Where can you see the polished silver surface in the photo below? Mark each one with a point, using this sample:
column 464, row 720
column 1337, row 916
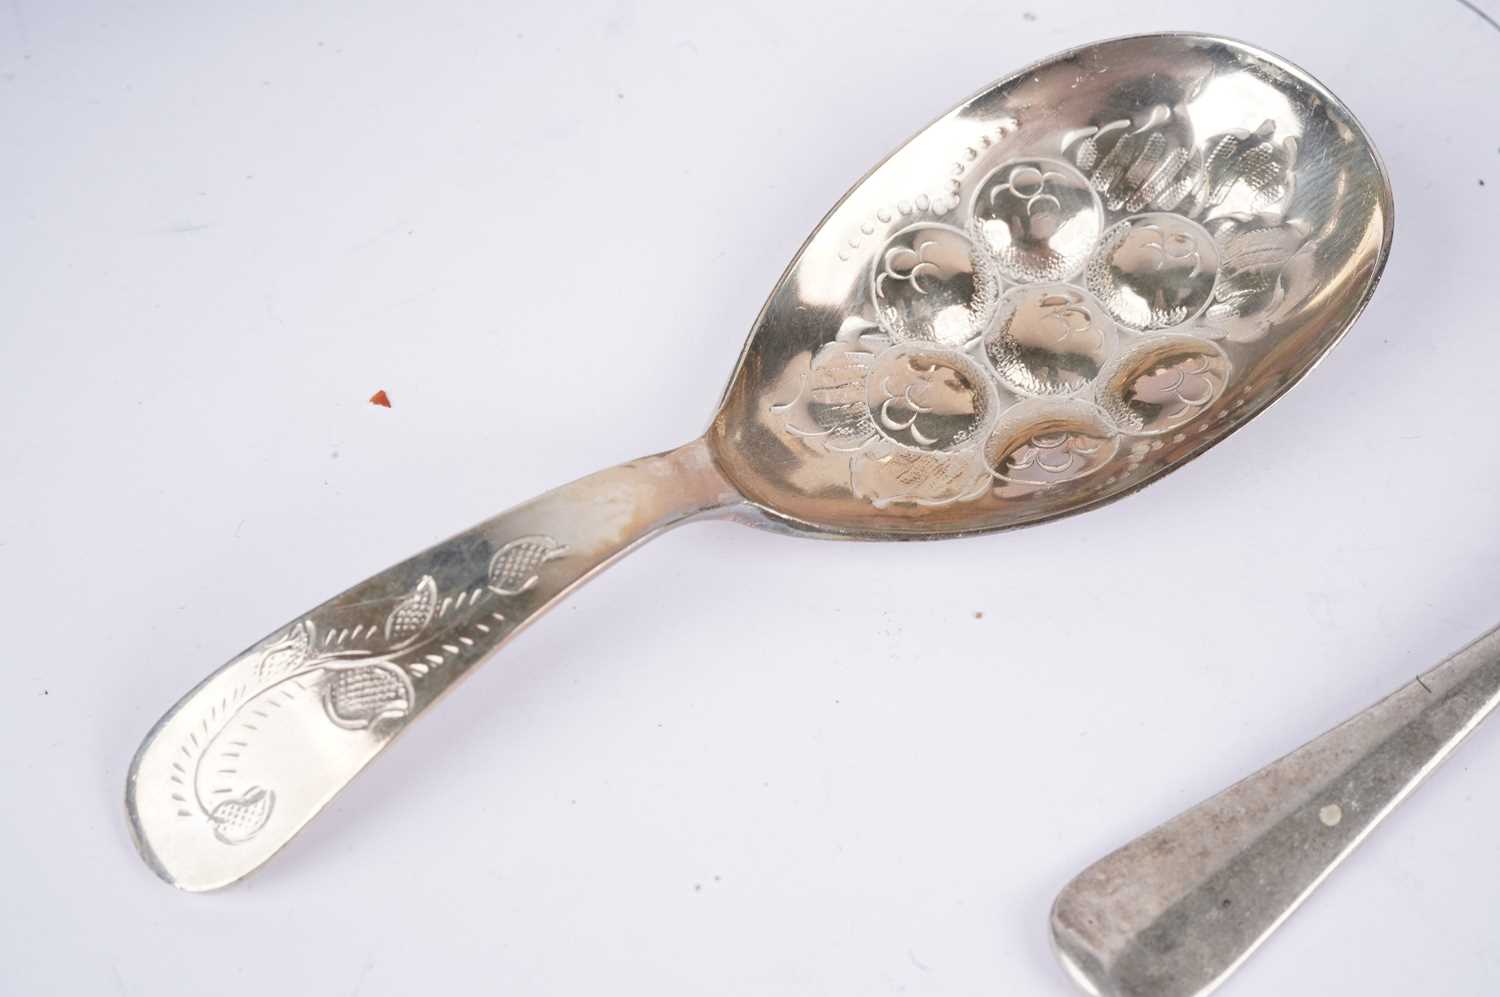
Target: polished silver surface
column 1174, row 912
column 1077, row 280
column 1072, row 283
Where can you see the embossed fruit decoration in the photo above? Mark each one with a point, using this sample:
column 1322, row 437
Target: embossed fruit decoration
column 1038, row 218
column 927, row 399
column 1049, row 339
column 930, row 284
column 1163, row 383
column 1265, row 263
column 1072, row 330
column 1154, row 271
column 1246, row 172
column 1046, row 442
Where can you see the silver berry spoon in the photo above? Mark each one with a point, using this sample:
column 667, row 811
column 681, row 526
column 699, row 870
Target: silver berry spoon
column 1075, row 281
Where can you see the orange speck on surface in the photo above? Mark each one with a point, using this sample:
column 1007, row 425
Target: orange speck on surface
column 381, row 398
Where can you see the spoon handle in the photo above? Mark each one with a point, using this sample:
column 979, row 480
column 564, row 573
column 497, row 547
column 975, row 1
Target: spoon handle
column 243, row 761
column 1174, row 912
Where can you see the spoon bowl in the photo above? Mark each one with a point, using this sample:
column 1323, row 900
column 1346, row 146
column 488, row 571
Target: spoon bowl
column 1079, row 279
column 1074, row 282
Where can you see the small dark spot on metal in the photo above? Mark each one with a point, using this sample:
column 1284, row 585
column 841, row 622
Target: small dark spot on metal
column 1226, row 902
column 978, row 614
column 1027, row 15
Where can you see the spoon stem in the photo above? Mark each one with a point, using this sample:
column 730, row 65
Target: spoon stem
column 1174, row 912
column 247, row 758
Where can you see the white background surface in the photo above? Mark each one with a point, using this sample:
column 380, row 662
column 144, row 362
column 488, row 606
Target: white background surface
column 737, row 764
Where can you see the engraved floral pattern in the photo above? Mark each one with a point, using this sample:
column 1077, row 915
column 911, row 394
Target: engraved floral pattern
column 1070, row 313
column 364, row 676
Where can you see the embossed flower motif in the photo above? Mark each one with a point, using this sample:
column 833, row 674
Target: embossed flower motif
column 1038, row 218
column 930, row 284
column 1161, row 383
column 1154, row 271
column 909, row 415
column 1040, row 443
column 1049, row 339
column 1066, row 324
